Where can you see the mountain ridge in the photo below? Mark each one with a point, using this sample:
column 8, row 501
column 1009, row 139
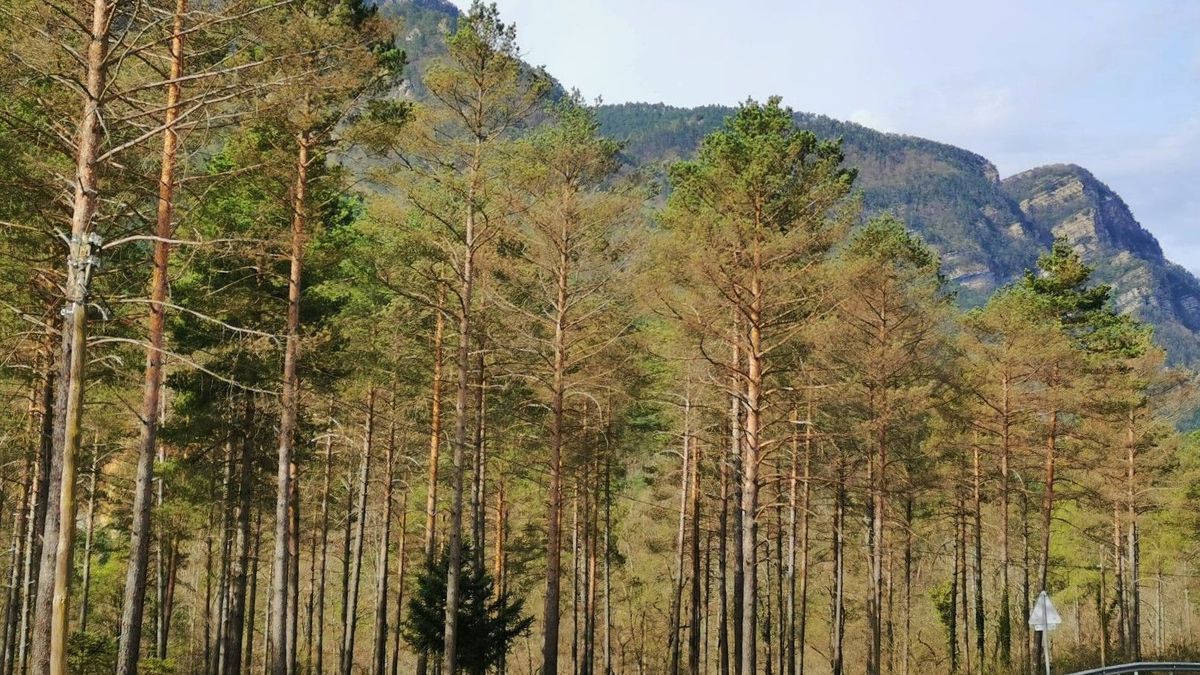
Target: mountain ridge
column 988, row 230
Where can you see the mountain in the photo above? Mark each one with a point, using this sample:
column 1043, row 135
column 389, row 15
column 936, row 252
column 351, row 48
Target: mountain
column 1068, row 201
column 988, row 231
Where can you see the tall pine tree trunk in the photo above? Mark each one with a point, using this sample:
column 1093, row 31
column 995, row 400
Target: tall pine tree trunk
column 289, row 403
column 694, row 627
column 54, row 584
column 1004, row 621
column 554, row 500
column 977, row 569
column 677, row 591
column 128, row 648
column 750, row 465
column 435, row 444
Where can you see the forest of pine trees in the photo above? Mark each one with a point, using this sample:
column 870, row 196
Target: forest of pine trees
column 300, row 374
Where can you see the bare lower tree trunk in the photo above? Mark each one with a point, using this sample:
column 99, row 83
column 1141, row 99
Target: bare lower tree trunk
column 694, row 627
column 722, row 571
column 379, row 647
column 90, row 524
column 685, row 476
column 289, row 402
column 554, row 499
column 977, row 570
column 608, row 670
column 293, row 619
column 805, row 516
column 324, row 564
column 129, row 645
column 1133, row 548
column 479, row 483
column 222, row 645
column 1004, row 621
column 964, row 588
column 1047, row 513
column 435, row 444
column 737, row 446
column 908, row 579
column 237, row 605
column 837, row 630
column 252, row 604
column 750, row 466
column 400, row 576
column 351, row 613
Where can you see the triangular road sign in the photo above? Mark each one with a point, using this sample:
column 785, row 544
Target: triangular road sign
column 1044, row 616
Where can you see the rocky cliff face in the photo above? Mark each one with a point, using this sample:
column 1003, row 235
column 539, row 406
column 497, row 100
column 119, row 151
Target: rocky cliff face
column 1068, row 201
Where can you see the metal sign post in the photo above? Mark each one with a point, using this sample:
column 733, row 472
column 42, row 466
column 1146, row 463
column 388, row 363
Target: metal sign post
column 1044, row 618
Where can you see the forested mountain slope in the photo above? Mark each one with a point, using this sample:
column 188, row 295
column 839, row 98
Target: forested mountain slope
column 988, row 231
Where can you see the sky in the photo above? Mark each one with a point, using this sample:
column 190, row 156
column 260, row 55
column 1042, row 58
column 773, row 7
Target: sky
column 1111, row 86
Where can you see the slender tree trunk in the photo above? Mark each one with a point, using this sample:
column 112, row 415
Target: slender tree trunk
column 554, row 500
column 608, row 670
column 677, row 595
column 51, row 617
column 1133, row 549
column 1004, row 621
column 952, row 625
column 877, row 468
column 837, row 630
column 805, row 511
column 400, row 577
column 750, row 461
column 324, row 564
column 737, row 446
column 237, row 607
column 964, row 587
column 479, row 484
column 168, row 604
column 289, row 402
column 977, row 570
column 253, row 602
column 1047, row 513
column 129, row 645
column 1119, row 583
column 379, row 648
column 208, row 549
column 501, row 570
column 1102, row 612
column 222, row 645
column 575, row 584
column 293, row 620
column 788, row 609
column 86, row 582
column 435, row 444
column 465, row 317
column 722, row 570
column 694, row 633
column 351, row 611
column 1026, row 584
column 906, row 652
